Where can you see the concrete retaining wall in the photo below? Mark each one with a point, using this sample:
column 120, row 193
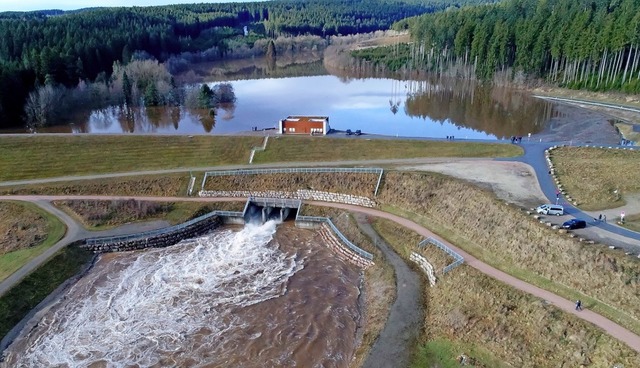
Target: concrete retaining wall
column 160, row 240
column 229, row 220
column 302, row 194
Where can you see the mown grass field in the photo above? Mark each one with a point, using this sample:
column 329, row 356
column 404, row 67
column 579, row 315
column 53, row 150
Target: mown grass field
column 495, row 325
column 295, row 149
column 593, row 175
column 34, row 156
column 20, row 247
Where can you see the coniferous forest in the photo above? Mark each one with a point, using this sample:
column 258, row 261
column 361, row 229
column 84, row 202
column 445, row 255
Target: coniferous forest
column 581, row 44
column 63, row 48
column 572, row 43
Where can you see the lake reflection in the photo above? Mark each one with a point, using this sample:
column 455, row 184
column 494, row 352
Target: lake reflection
column 145, row 120
column 373, row 105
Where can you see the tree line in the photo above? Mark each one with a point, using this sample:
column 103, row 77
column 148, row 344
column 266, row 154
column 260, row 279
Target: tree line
column 582, row 44
column 61, row 48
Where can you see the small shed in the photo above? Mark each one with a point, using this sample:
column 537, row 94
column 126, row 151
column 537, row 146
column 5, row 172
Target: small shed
column 304, row 125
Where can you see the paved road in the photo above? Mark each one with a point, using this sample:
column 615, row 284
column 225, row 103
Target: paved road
column 534, row 157
column 565, row 305
column 393, row 348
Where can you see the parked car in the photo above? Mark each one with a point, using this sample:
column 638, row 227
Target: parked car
column 358, row 132
column 349, row 132
column 550, row 209
column 574, row 224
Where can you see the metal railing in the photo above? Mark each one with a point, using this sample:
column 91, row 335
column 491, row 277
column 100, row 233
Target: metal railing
column 275, row 202
column 164, row 230
column 458, row 259
column 375, row 192
column 299, row 170
column 192, row 182
column 347, row 242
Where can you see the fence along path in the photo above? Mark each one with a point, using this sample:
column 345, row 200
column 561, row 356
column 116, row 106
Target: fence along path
column 298, row 170
column 457, row 258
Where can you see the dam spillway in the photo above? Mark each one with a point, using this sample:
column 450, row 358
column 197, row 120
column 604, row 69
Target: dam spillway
column 221, row 299
column 261, row 210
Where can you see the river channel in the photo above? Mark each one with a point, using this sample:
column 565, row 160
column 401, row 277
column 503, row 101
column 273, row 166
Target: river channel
column 245, row 298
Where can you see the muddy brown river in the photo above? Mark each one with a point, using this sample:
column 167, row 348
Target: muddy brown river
column 249, row 297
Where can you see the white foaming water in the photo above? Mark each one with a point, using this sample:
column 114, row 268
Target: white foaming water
column 154, row 307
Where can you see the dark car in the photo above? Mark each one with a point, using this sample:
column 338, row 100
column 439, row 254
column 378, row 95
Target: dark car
column 349, row 132
column 358, row 132
column 574, row 224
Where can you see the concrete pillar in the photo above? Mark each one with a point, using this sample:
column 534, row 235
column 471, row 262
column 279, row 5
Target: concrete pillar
column 284, row 213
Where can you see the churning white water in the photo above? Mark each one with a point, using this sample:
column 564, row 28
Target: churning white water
column 162, row 306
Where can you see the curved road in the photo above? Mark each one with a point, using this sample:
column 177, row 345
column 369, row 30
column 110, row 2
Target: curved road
column 71, row 235
column 534, row 156
column 610, row 327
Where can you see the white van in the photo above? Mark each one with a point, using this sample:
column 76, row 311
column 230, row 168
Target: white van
column 550, row 209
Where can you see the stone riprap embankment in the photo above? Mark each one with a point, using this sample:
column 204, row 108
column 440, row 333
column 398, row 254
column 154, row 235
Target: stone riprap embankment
column 302, row 194
column 342, row 251
column 425, row 266
column 166, row 239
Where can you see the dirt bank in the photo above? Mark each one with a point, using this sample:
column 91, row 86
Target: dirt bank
column 575, row 125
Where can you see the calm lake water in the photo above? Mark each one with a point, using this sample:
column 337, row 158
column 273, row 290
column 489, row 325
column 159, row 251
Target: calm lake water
column 428, row 108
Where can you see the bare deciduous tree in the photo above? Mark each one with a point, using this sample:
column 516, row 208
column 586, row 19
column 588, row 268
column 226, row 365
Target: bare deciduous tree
column 44, row 106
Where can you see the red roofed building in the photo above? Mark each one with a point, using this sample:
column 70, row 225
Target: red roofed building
column 304, row 125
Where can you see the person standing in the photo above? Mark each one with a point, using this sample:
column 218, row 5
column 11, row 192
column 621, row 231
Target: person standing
column 578, row 305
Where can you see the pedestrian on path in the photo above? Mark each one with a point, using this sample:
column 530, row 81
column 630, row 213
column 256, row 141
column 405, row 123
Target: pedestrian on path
column 600, row 217
column 578, row 305
column 604, row 218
